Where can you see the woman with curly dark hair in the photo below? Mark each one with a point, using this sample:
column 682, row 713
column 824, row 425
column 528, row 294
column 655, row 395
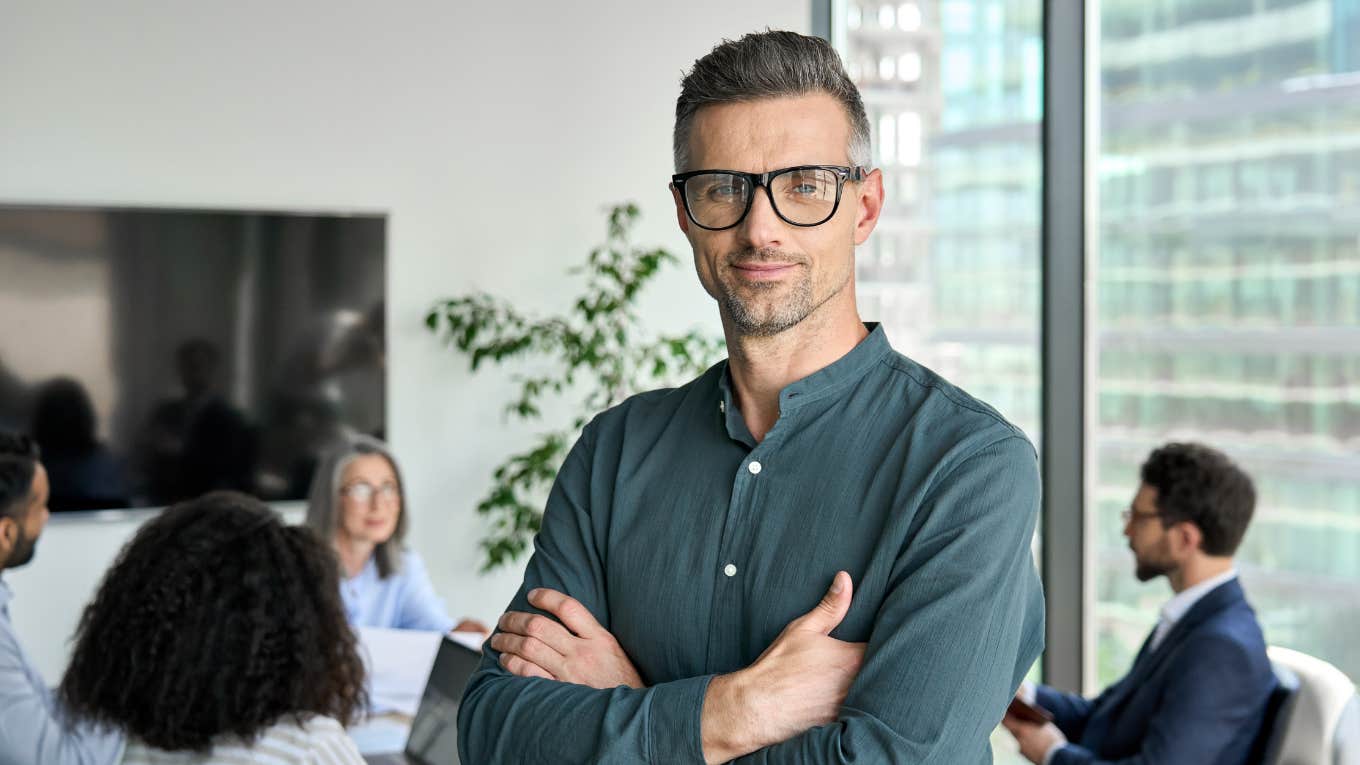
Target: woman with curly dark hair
column 218, row 636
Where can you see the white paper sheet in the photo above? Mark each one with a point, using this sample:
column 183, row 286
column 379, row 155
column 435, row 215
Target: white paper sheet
column 398, row 664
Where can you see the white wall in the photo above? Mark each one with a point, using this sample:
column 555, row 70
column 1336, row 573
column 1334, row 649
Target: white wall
column 494, row 134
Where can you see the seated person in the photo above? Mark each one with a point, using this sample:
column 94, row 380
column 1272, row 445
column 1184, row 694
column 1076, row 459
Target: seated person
column 217, row 637
column 356, row 504
column 1197, row 692
column 32, row 726
column 82, row 473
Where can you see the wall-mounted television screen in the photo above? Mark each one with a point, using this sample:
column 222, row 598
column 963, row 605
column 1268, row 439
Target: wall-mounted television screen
column 156, row 354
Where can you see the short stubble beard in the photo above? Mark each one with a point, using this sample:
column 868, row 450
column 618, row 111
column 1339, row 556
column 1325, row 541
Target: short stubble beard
column 796, row 306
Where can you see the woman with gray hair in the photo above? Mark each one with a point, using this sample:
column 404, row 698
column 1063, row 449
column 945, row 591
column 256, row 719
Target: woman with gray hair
column 356, row 503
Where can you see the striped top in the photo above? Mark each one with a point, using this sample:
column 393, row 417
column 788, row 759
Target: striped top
column 321, row 741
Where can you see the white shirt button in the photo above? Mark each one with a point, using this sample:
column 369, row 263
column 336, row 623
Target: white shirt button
column 754, row 467
column 730, row 570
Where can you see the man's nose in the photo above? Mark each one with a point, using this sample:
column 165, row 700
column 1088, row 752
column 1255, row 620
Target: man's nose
column 762, row 226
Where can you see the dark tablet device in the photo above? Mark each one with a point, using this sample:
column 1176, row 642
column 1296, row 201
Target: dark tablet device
column 1031, row 713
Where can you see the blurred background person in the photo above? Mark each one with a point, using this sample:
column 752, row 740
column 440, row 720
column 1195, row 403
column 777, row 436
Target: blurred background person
column 197, row 442
column 218, row 637
column 84, row 473
column 33, row 729
column 1197, row 691
column 356, row 503
column 328, row 387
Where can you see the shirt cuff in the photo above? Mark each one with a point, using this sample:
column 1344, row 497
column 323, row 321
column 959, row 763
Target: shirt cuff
column 1052, row 751
column 1028, row 693
column 674, row 721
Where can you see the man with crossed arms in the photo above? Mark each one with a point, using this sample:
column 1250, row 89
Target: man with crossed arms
column 819, row 550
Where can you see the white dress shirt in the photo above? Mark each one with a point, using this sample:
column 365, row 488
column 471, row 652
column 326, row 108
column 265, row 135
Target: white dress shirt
column 1181, row 604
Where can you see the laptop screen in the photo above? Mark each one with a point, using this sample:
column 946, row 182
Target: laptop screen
column 434, row 733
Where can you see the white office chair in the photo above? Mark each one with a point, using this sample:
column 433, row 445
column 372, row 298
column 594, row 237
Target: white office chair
column 1319, row 724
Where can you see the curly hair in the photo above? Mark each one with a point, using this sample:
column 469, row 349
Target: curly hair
column 1201, row 485
column 216, row 619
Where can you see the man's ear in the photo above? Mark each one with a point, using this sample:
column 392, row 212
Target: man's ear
column 9, row 534
column 680, row 215
column 1188, row 537
column 870, row 205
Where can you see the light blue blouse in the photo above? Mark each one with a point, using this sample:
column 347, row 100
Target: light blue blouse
column 405, row 600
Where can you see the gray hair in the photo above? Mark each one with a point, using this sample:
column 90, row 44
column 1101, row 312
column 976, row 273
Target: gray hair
column 769, row 64
column 323, row 501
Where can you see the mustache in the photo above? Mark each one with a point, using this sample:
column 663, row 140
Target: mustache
column 765, row 255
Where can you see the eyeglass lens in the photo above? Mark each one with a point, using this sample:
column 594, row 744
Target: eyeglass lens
column 805, row 196
column 364, row 492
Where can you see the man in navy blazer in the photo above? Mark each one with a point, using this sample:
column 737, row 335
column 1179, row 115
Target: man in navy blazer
column 1197, row 691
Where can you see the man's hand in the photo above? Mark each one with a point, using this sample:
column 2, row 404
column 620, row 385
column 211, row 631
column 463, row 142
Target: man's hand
column 580, row 652
column 1035, row 740
column 798, row 683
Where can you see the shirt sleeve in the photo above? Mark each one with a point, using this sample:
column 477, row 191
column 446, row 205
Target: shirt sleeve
column 31, row 729
column 504, row 718
column 421, row 608
column 1070, row 711
column 961, row 624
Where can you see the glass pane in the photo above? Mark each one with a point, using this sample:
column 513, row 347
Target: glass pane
column 953, row 94
column 1228, row 309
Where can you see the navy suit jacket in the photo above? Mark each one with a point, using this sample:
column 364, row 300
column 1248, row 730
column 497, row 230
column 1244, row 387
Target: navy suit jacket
column 1198, row 699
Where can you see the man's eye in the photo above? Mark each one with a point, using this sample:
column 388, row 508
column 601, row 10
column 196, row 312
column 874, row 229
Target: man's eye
column 806, row 189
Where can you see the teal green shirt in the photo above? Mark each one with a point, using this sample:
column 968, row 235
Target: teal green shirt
column 694, row 545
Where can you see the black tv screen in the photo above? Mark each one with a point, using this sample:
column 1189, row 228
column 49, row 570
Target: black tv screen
column 156, row 354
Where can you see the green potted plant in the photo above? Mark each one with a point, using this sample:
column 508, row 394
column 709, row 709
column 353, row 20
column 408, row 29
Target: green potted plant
column 597, row 350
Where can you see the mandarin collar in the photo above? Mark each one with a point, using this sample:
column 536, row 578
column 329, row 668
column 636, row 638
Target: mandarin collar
column 846, row 370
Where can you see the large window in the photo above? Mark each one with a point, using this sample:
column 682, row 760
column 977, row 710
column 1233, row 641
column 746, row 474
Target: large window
column 952, row 92
column 1225, row 265
column 1228, row 307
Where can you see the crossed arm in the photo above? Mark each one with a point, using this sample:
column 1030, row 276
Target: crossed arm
column 960, row 622
column 798, row 683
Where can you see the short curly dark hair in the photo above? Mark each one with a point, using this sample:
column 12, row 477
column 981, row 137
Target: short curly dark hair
column 1202, row 485
column 18, row 463
column 215, row 619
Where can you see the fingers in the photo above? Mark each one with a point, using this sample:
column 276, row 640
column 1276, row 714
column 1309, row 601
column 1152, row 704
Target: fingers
column 516, row 665
column 567, row 609
column 828, row 613
column 549, row 632
column 527, row 648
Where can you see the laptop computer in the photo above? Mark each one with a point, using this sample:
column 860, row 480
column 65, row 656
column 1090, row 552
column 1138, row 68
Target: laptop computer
column 434, row 731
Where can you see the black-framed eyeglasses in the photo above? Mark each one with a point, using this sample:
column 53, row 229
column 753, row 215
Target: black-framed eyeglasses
column 806, row 195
